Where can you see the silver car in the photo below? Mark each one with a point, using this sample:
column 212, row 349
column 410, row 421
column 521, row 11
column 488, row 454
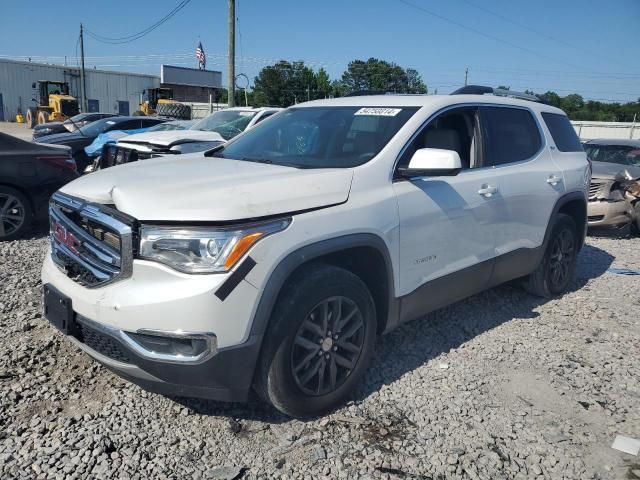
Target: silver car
column 614, row 201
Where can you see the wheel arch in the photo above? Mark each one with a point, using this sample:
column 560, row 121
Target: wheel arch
column 364, row 254
column 573, row 204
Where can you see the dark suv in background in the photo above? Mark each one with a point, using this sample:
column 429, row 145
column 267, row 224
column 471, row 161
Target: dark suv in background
column 69, row 125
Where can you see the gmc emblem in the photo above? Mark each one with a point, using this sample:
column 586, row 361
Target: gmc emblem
column 64, row 237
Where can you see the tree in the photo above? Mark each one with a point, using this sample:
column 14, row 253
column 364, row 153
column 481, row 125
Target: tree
column 323, row 83
column 380, row 75
column 283, row 84
column 551, row 98
column 572, row 103
column 287, row 83
column 414, row 82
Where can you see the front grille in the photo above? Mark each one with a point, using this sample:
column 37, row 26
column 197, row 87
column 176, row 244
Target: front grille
column 101, row 343
column 90, row 243
column 595, row 188
column 113, row 155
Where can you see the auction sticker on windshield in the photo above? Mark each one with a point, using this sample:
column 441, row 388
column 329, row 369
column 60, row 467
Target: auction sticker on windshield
column 380, row 112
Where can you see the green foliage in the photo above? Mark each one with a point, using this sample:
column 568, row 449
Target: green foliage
column 579, row 109
column 286, row 83
column 382, row 76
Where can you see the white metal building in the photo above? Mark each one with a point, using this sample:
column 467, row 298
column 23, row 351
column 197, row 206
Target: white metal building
column 107, row 91
column 588, row 130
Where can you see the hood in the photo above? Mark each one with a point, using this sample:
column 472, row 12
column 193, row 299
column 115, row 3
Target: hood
column 608, row 171
column 167, row 138
column 196, row 188
column 42, row 126
column 61, row 137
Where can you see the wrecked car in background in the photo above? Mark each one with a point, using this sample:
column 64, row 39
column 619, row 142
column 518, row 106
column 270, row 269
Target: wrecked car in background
column 209, row 132
column 614, row 194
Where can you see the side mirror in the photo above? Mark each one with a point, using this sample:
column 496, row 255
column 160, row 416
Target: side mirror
column 33, row 85
column 432, row 162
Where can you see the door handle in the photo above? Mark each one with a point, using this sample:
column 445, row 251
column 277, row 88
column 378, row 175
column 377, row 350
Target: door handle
column 554, row 180
column 487, row 190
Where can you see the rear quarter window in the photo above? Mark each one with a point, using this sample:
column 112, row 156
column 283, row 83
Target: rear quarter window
column 511, row 135
column 562, row 132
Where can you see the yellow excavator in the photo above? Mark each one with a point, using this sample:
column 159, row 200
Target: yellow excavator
column 54, row 104
column 159, row 101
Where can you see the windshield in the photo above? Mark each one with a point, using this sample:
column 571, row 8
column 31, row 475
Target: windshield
column 94, row 129
column 228, row 123
column 76, row 118
column 161, row 127
column 320, row 137
column 619, row 154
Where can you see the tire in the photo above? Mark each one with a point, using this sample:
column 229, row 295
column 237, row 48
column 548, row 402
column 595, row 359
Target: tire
column 325, row 373
column 31, row 117
column 635, row 224
column 16, row 215
column 174, row 110
column 555, row 272
column 43, row 117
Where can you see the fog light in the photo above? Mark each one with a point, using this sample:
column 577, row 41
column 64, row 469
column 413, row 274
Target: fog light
column 172, row 346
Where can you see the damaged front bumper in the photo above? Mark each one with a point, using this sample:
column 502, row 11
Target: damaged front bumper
column 609, row 213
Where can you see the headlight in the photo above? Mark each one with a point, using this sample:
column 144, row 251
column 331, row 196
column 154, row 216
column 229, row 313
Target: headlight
column 203, row 249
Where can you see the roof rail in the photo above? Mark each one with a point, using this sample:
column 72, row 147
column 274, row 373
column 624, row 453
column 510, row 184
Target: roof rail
column 359, row 93
column 501, row 92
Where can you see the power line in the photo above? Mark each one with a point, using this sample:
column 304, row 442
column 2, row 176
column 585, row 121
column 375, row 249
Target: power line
column 482, row 34
column 140, row 34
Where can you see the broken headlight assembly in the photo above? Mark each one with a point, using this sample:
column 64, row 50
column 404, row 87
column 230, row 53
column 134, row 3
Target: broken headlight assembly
column 203, row 249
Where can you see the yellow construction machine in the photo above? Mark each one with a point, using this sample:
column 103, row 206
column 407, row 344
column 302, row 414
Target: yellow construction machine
column 54, row 104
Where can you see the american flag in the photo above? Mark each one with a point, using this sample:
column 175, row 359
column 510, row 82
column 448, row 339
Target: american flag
column 202, row 59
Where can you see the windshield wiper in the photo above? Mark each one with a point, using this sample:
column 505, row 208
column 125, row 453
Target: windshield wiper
column 257, row 160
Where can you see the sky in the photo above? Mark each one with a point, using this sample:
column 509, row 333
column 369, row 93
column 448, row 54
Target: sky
column 585, row 46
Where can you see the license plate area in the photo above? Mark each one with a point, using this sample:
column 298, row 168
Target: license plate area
column 58, row 310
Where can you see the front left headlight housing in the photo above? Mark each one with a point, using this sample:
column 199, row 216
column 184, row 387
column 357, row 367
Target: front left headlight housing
column 203, row 249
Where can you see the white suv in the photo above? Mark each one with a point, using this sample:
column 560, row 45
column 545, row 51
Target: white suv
column 274, row 261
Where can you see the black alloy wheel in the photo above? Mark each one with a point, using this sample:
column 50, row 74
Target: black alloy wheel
column 13, row 215
column 561, row 260
column 327, row 346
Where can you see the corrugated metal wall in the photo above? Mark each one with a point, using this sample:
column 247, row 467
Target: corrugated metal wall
column 108, row 88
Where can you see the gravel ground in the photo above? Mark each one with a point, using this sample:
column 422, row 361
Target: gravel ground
column 19, row 130
column 500, row 386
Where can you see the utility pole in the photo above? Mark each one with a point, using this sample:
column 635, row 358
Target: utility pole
column 466, row 75
column 83, row 86
column 232, row 53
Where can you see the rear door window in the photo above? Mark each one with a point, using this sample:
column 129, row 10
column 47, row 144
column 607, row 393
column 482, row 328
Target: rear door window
column 510, row 135
column 562, row 132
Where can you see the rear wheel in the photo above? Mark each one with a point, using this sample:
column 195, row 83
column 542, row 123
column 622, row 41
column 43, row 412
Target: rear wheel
column 43, row 117
column 15, row 213
column 31, row 117
column 319, row 344
column 555, row 272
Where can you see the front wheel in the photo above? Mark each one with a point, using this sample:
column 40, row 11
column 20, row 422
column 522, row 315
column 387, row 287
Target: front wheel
column 319, row 343
column 555, row 272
